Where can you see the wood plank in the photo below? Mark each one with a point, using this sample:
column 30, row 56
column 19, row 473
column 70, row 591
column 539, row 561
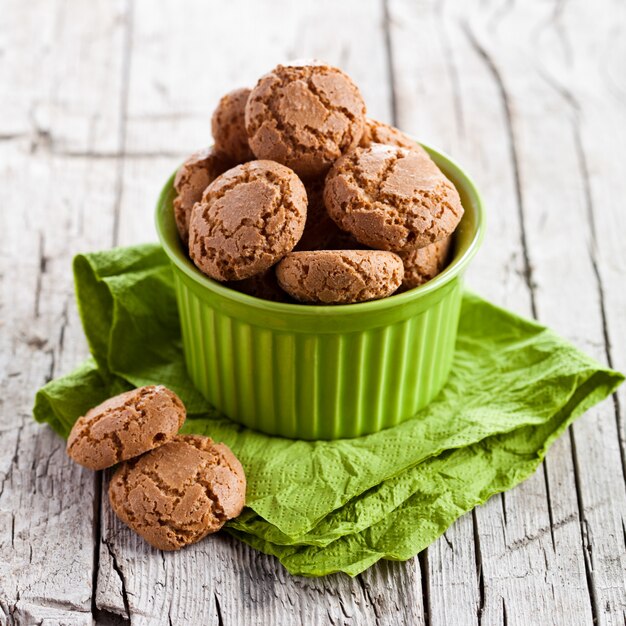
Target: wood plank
column 560, row 248
column 544, row 511
column 528, row 561
column 60, row 108
column 221, row 580
column 177, row 76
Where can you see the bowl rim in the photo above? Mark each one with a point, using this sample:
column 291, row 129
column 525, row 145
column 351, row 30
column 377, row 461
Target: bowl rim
column 177, row 256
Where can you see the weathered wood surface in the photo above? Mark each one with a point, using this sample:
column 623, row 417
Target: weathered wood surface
column 100, row 100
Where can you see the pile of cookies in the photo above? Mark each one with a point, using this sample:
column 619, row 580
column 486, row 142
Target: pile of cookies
column 304, row 197
column 171, row 489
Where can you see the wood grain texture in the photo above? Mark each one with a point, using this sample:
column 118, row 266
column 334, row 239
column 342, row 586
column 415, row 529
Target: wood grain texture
column 54, row 198
column 529, row 96
column 532, row 553
column 502, row 560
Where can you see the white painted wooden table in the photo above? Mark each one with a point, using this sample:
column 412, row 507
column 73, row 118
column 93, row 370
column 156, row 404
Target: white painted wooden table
column 100, row 100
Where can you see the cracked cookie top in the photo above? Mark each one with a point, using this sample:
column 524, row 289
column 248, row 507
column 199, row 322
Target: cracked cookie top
column 391, row 198
column 192, row 178
column 248, row 219
column 340, row 276
column 125, row 426
column 229, row 128
column 304, row 116
column 180, row 492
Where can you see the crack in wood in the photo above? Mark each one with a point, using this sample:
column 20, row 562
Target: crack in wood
column 120, row 573
column 41, row 139
column 64, row 323
column 218, row 608
column 559, row 89
column 520, row 543
column 123, row 116
column 491, row 65
column 450, row 546
column 16, row 455
column 589, row 205
column 479, row 569
column 331, row 618
column 424, row 574
column 97, row 539
column 393, row 101
column 53, row 362
column 53, row 148
column 42, row 269
column 10, row 610
column 125, row 155
column 102, row 617
column 584, row 528
column 52, row 603
column 11, row 136
column 20, row 612
column 546, row 483
column 368, row 596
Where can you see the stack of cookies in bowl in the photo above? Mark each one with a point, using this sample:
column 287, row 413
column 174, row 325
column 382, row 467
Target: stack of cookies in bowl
column 304, row 198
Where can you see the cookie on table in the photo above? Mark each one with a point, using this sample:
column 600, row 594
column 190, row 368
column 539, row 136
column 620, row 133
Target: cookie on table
column 340, row 276
column 304, row 115
column 423, row 264
column 247, row 220
column 192, row 178
column 391, row 198
column 125, row 426
column 179, row 493
column 379, row 132
column 229, row 128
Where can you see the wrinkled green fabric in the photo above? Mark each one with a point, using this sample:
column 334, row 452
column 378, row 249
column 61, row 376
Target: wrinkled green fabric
column 322, row 507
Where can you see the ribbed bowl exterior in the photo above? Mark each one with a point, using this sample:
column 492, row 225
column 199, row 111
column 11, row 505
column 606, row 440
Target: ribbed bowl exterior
column 324, row 385
column 322, row 372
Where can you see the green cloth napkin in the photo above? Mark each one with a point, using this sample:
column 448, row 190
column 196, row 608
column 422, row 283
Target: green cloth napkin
column 323, row 507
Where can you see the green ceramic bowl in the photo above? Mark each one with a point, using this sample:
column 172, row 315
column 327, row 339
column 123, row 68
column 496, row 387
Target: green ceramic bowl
column 322, row 372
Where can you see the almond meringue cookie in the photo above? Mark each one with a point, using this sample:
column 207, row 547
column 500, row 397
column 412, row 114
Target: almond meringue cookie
column 179, row 493
column 304, row 115
column 249, row 218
